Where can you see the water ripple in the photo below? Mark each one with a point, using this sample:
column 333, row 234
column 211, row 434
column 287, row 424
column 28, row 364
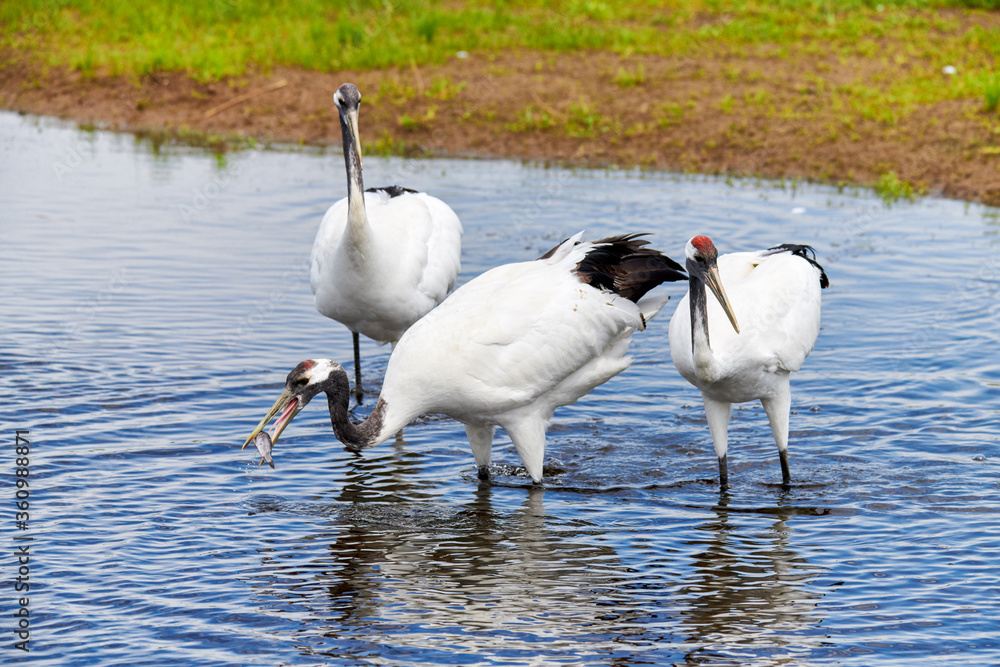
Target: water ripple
column 143, row 342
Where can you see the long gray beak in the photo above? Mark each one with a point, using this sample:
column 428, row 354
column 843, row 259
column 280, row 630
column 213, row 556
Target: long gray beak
column 352, row 118
column 288, row 405
column 715, row 284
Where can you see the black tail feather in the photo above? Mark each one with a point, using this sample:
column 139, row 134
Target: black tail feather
column 622, row 264
column 806, row 252
column 393, row 190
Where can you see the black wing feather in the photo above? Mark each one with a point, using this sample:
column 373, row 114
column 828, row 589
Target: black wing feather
column 622, row 264
column 806, row 252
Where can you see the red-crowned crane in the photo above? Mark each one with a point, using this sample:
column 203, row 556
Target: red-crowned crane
column 773, row 309
column 382, row 257
column 506, row 348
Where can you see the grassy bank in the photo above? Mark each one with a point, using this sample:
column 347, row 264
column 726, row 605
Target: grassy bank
column 221, row 38
column 892, row 91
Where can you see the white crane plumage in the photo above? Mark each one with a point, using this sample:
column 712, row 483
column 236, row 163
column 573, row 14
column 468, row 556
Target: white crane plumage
column 774, row 313
column 506, row 348
column 384, row 257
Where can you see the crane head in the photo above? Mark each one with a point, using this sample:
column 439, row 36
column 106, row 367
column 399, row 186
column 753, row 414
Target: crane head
column 303, row 382
column 703, row 265
column 348, row 102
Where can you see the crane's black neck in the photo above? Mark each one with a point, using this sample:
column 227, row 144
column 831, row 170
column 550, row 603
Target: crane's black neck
column 354, row 436
column 698, row 300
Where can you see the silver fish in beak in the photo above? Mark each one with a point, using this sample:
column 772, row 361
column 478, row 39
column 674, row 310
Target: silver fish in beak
column 263, row 444
column 288, row 406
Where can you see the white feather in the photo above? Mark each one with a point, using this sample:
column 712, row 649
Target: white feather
column 408, row 264
column 776, row 300
column 511, row 346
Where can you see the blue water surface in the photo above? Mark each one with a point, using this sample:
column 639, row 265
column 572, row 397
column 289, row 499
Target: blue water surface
column 153, row 299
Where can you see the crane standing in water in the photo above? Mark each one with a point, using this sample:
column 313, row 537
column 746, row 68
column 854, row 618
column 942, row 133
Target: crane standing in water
column 507, row 348
column 774, row 313
column 382, row 257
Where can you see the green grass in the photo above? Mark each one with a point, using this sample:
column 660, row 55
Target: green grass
column 531, row 119
column 409, row 123
column 904, row 42
column 443, row 89
column 991, row 91
column 626, row 78
column 226, row 37
column 584, row 121
column 385, row 146
column 891, row 189
column 672, row 113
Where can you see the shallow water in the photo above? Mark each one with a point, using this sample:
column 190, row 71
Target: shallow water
column 153, row 301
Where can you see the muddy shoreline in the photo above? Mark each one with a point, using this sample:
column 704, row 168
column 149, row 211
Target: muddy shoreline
column 686, row 116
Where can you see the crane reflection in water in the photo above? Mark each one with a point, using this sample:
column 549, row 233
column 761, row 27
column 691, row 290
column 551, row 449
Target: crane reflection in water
column 393, row 568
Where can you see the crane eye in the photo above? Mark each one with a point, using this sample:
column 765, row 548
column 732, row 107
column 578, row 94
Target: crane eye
column 301, row 382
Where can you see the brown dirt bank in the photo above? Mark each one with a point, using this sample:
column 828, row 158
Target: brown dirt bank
column 753, row 116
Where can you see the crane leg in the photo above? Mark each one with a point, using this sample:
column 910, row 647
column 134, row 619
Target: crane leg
column 528, row 435
column 481, row 439
column 786, row 477
column 777, row 408
column 717, row 413
column 358, row 391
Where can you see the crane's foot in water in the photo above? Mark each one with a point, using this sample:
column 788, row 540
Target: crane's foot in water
column 786, row 477
column 723, row 473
